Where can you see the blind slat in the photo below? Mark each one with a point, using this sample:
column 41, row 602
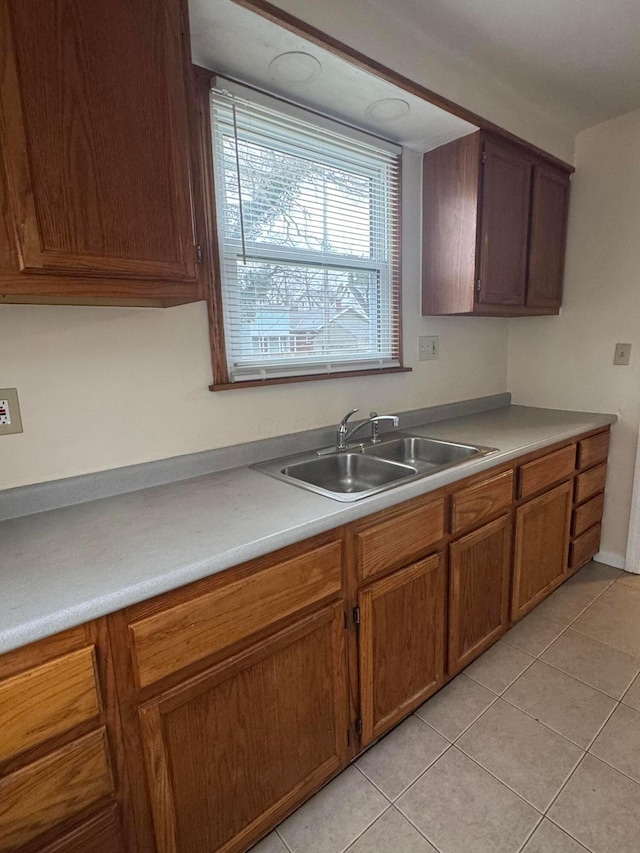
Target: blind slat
column 308, row 224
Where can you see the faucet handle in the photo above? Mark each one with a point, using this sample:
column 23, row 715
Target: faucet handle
column 343, row 422
column 373, row 414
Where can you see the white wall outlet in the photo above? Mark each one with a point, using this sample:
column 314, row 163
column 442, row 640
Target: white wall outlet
column 427, row 347
column 10, row 420
column 622, row 354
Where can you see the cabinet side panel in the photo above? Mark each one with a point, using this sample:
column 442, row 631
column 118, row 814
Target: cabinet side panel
column 449, row 216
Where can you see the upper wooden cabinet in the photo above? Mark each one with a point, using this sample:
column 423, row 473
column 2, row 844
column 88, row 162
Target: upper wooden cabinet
column 494, row 229
column 98, row 167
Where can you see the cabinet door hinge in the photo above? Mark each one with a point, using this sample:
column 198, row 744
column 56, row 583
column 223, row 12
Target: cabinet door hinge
column 478, row 285
column 359, row 726
column 356, row 615
column 484, row 156
column 198, row 254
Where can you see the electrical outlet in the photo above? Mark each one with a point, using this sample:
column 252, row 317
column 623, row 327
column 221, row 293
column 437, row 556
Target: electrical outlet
column 10, row 420
column 622, row 354
column 427, row 347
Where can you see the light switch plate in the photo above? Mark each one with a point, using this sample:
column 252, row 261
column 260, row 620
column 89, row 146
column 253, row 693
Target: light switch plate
column 428, row 348
column 622, row 354
column 10, row 420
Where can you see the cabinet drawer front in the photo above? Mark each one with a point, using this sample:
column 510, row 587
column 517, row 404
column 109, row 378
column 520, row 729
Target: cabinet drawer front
column 42, row 702
column 475, row 504
column 396, row 542
column 41, row 795
column 590, row 483
column 584, row 547
column 172, row 639
column 587, row 515
column 544, row 472
column 592, row 450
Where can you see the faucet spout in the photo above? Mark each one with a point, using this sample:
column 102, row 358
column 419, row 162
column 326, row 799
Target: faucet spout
column 374, row 420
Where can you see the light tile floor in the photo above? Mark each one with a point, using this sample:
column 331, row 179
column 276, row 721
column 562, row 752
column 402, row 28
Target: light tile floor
column 534, row 748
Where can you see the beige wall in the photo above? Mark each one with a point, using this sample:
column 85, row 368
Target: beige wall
column 105, row 387
column 566, row 361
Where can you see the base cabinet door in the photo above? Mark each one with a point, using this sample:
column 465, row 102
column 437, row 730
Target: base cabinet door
column 479, row 575
column 541, row 547
column 402, row 641
column 231, row 751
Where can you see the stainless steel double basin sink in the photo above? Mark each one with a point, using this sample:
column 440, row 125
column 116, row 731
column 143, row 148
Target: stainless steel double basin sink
column 366, row 469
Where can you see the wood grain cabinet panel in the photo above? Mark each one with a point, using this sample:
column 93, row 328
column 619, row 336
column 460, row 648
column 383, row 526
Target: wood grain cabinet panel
column 174, row 638
column 39, row 796
column 100, row 834
column 395, row 541
column 549, row 213
column 479, row 579
column 230, row 752
column 505, row 198
column 590, row 482
column 494, row 223
column 587, row 515
column 402, row 642
column 49, row 699
column 544, row 472
column 482, row 501
column 584, row 547
column 593, row 450
column 541, row 547
column 95, row 108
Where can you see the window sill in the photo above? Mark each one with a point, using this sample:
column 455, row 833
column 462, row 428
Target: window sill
column 285, row 380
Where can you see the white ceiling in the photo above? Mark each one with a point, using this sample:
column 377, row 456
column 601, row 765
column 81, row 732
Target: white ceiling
column 579, row 60
column 232, row 40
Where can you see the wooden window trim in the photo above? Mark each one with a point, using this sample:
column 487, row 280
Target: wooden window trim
column 221, row 380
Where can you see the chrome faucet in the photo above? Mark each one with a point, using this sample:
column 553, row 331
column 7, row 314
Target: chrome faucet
column 343, row 434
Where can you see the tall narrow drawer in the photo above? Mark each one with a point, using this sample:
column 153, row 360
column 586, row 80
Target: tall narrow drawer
column 587, row 515
column 168, row 641
column 482, row 501
column 41, row 795
column 592, row 450
column 590, row 483
column 544, row 472
column 399, row 540
column 42, row 702
column 584, row 547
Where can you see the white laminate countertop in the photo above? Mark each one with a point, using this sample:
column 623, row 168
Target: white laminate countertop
column 66, row 566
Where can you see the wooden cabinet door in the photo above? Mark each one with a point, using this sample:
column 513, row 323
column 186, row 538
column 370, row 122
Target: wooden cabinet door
column 479, row 575
column 504, row 226
column 94, row 102
column 541, row 547
column 231, row 751
column 549, row 211
column 402, row 639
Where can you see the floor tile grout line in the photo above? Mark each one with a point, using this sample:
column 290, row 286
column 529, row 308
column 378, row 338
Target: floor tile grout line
column 531, row 834
column 417, row 828
column 362, row 773
column 281, row 839
column 466, row 729
column 612, row 767
column 366, row 829
column 586, row 683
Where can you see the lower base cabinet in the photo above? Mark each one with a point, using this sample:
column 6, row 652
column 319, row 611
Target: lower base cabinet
column 541, row 547
column 229, row 752
column 479, row 578
column 402, row 640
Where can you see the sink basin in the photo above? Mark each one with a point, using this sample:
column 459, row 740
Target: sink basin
column 347, row 473
column 366, row 469
column 412, row 450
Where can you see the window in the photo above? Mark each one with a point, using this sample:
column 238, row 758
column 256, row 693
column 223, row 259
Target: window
column 308, row 231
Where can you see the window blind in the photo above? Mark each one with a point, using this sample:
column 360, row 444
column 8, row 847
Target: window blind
column 308, row 228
